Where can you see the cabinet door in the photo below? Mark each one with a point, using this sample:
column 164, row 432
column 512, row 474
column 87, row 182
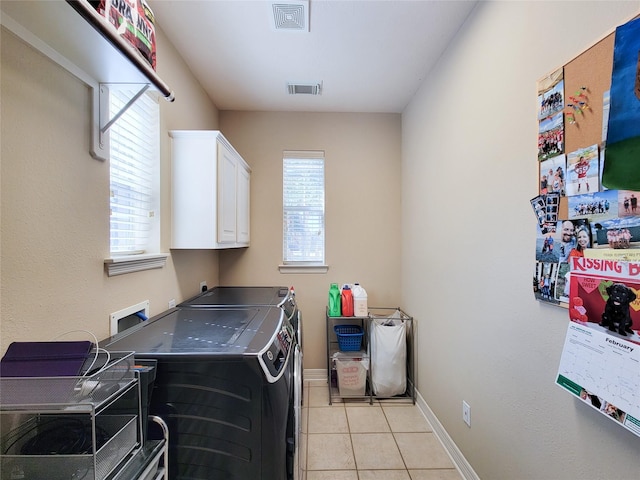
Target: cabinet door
column 243, row 217
column 193, row 190
column 227, row 194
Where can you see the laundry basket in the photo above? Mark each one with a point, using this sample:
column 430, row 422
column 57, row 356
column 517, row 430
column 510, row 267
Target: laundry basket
column 352, row 370
column 349, row 337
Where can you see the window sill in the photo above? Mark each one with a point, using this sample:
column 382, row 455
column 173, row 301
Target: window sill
column 134, row 263
column 303, row 268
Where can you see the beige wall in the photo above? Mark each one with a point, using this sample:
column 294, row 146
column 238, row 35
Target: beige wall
column 468, row 172
column 55, row 233
column 362, row 208
column 55, row 202
column 460, row 261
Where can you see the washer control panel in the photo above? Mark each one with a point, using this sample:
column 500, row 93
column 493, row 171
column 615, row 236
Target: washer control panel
column 275, row 357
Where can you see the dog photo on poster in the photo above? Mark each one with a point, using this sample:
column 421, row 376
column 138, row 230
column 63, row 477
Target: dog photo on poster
column 605, row 295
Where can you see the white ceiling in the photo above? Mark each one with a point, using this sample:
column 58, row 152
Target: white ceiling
column 370, row 55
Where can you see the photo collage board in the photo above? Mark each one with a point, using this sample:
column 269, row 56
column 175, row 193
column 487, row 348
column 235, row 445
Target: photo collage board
column 587, row 200
column 588, row 221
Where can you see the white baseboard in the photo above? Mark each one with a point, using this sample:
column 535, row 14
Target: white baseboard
column 315, row 374
column 462, row 465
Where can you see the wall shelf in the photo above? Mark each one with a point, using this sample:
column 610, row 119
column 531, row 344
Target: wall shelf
column 74, row 35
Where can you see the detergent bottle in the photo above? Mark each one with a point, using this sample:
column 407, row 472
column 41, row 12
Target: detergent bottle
column 334, row 300
column 360, row 307
column 347, row 301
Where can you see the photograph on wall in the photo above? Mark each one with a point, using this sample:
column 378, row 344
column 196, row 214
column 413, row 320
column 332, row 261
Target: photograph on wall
column 623, row 131
column 595, row 206
column 539, row 206
column 551, row 136
column 552, row 175
column 546, row 240
column 618, row 232
column 583, row 238
column 544, row 282
column 574, row 236
column 546, row 209
column 551, row 101
column 582, row 171
column 552, row 208
column 628, row 203
column 558, row 242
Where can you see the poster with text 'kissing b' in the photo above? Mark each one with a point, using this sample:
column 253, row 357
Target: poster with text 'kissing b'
column 605, row 295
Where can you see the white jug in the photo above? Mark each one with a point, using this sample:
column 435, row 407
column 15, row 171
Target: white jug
column 360, row 308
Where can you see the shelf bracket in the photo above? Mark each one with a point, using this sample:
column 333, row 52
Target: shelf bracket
column 124, row 109
column 101, row 121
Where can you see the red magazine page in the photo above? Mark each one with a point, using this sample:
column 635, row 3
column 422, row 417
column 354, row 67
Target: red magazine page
column 605, row 295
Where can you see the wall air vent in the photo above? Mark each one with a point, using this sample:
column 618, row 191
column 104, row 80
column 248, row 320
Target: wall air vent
column 304, row 88
column 291, row 15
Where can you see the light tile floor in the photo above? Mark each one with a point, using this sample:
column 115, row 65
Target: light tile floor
column 358, row 441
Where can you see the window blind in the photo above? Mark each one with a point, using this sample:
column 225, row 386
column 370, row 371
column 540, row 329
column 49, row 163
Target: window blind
column 303, row 205
column 134, row 140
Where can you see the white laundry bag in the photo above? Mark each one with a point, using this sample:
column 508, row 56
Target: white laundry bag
column 388, row 346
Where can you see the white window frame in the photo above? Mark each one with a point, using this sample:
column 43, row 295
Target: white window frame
column 142, row 118
column 290, row 264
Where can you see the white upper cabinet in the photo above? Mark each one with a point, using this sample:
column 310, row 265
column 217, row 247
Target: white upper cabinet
column 210, row 192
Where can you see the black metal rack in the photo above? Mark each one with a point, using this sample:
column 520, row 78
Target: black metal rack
column 375, row 314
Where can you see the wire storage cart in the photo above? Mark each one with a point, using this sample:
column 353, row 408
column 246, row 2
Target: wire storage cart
column 70, row 427
column 357, row 368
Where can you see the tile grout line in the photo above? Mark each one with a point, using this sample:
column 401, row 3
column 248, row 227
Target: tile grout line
column 404, row 462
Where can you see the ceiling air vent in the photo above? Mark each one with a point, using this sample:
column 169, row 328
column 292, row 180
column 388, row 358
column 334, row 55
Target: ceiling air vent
column 291, row 15
column 305, row 88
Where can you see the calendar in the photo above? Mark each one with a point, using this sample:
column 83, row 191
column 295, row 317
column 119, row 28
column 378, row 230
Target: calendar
column 604, row 372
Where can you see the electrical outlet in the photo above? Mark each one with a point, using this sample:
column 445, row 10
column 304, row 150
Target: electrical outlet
column 172, row 303
column 203, row 286
column 466, row 413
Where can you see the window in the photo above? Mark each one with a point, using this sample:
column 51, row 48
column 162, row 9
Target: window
column 134, row 178
column 303, row 209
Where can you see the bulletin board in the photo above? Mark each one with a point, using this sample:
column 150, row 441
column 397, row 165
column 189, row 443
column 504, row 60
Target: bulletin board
column 573, row 115
column 592, row 70
column 588, row 220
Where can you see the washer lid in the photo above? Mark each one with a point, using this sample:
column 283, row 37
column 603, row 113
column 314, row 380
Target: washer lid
column 239, row 296
column 202, row 331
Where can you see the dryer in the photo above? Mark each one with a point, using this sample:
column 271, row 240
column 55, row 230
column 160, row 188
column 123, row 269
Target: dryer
column 223, row 387
column 284, row 298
